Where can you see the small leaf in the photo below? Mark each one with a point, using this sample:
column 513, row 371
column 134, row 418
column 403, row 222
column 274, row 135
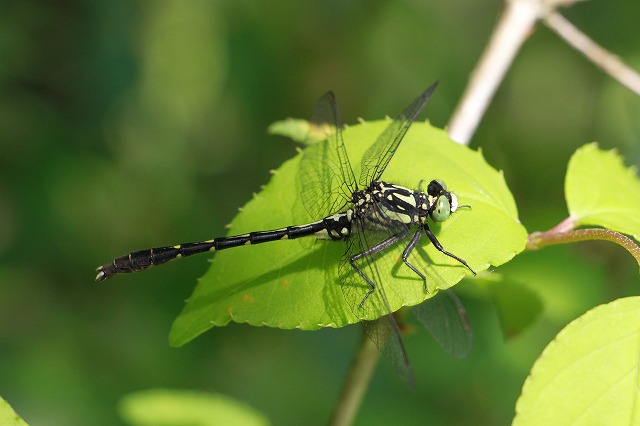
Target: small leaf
column 601, row 191
column 301, row 131
column 160, row 407
column 293, row 284
column 8, row 417
column 295, row 129
column 516, row 304
column 589, row 373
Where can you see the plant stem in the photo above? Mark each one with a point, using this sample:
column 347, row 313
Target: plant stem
column 608, row 62
column 356, row 384
column 515, row 25
column 538, row 240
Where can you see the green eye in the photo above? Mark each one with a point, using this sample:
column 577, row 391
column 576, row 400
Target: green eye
column 442, row 210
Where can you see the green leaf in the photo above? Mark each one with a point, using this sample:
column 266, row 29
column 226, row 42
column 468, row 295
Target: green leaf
column 589, row 374
column 301, row 131
column 601, row 191
column 293, row 284
column 516, row 304
column 8, row 417
column 295, row 129
column 159, row 407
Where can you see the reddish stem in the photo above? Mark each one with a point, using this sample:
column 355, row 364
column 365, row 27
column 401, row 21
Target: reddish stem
column 562, row 233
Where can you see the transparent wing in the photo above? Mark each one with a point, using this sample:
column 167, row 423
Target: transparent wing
column 443, row 315
column 446, row 319
column 379, row 267
column 326, row 178
column 327, row 183
column 378, row 156
column 385, row 333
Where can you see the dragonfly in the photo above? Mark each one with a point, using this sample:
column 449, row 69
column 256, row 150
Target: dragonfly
column 373, row 217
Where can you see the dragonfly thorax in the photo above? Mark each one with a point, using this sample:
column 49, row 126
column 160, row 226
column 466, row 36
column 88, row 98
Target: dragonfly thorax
column 382, row 202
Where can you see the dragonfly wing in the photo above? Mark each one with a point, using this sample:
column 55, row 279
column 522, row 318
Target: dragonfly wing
column 385, row 333
column 325, row 174
column 446, row 319
column 378, row 156
column 378, row 266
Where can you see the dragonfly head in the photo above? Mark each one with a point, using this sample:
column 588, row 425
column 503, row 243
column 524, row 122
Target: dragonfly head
column 443, row 202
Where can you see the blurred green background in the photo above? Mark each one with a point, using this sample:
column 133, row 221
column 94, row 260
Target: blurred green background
column 125, row 125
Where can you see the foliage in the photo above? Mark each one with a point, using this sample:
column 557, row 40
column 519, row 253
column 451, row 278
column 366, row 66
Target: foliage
column 129, row 125
column 160, row 407
column 8, row 417
column 589, row 372
column 601, row 191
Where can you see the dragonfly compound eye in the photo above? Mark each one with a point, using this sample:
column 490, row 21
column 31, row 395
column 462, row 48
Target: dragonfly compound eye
column 436, row 187
column 442, row 211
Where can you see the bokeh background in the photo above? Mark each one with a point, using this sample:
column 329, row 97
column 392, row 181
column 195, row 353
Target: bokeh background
column 125, row 125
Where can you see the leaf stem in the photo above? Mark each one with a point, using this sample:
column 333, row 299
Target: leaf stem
column 356, row 383
column 538, row 240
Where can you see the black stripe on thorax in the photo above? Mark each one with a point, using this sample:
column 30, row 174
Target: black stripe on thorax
column 398, row 203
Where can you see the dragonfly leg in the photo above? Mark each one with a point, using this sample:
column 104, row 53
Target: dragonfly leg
column 383, row 245
column 441, row 249
column 407, row 251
